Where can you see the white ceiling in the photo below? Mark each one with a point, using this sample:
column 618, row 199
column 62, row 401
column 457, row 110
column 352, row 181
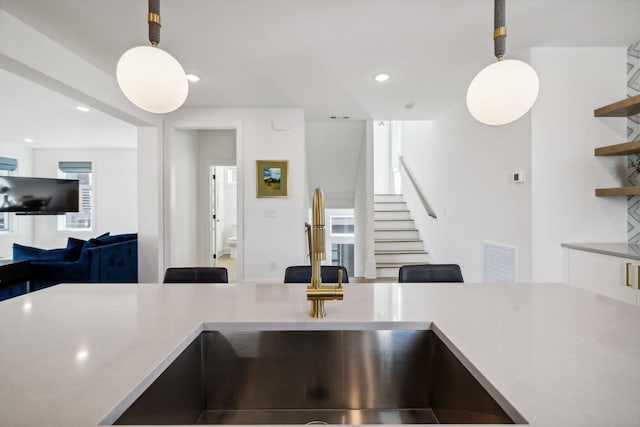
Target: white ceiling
column 320, row 55
column 51, row 120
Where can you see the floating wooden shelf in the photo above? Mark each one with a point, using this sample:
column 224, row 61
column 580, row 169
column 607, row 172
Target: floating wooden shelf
column 620, row 191
column 631, row 147
column 624, row 108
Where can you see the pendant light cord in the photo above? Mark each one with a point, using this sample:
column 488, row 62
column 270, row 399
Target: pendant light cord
column 499, row 29
column 154, row 22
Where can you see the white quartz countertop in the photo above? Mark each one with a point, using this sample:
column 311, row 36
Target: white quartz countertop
column 561, row 356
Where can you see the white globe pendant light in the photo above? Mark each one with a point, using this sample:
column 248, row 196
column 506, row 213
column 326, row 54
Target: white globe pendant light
column 148, row 76
column 502, row 92
column 152, row 79
column 506, row 90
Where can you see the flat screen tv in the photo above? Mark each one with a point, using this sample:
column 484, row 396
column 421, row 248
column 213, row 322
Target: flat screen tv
column 38, row 196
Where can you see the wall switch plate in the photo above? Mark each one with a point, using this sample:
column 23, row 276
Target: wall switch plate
column 280, row 125
column 269, row 213
column 518, row 177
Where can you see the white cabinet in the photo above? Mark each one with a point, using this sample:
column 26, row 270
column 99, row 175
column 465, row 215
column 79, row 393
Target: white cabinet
column 611, row 276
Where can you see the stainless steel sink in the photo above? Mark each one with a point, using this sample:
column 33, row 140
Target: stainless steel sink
column 317, row 377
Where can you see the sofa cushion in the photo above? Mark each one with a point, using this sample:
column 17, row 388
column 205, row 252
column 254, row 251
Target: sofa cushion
column 91, row 243
column 73, row 242
column 102, row 236
column 116, row 238
column 106, row 239
column 23, row 252
column 74, row 246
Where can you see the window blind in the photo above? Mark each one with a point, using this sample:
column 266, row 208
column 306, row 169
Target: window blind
column 75, row 167
column 81, row 171
column 7, row 164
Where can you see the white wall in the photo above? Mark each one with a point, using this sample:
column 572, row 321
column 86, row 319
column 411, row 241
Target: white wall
column 332, row 151
column 218, row 145
column 575, row 81
column 464, row 169
column 270, row 231
column 21, row 226
column 151, row 213
column 383, row 176
column 182, row 155
column 364, row 256
column 115, row 193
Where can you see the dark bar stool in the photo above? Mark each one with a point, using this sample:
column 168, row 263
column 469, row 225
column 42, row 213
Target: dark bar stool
column 196, row 275
column 437, row 273
column 302, row 274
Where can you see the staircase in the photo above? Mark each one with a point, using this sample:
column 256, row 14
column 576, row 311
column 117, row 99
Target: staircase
column 397, row 241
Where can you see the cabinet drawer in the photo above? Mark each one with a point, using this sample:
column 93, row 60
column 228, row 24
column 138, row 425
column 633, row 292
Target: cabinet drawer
column 611, row 276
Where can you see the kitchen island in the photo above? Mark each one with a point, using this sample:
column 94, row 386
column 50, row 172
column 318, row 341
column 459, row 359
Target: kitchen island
column 71, row 355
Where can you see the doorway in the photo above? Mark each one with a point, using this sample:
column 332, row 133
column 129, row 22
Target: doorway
column 223, row 217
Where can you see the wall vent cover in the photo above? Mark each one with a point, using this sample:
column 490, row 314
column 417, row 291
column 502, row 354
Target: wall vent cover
column 499, row 263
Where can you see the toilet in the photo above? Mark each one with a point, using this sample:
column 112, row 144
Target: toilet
column 232, row 243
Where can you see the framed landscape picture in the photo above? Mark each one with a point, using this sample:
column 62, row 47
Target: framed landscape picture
column 272, row 178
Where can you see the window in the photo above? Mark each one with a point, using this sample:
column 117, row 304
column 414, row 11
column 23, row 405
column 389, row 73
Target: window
column 342, row 254
column 83, row 220
column 341, row 225
column 7, row 168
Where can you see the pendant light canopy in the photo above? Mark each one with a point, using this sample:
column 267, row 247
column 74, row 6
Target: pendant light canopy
column 149, row 77
column 504, row 91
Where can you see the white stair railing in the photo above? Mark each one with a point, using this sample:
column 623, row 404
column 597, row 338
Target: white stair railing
column 419, row 192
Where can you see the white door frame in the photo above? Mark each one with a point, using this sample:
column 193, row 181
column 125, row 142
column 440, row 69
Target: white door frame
column 207, row 125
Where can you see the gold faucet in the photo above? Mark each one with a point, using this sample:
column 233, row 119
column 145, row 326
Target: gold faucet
column 316, row 293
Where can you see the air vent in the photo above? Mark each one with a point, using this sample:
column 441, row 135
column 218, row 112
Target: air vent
column 499, row 263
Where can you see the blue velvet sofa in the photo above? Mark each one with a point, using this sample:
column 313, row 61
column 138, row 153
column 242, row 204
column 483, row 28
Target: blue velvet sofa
column 105, row 259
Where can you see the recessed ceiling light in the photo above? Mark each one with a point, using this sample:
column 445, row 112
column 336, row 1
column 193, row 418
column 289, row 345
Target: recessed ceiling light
column 28, row 140
column 382, row 77
column 82, row 108
column 193, row 78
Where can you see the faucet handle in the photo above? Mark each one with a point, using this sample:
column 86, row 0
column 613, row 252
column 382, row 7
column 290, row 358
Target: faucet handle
column 340, row 277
